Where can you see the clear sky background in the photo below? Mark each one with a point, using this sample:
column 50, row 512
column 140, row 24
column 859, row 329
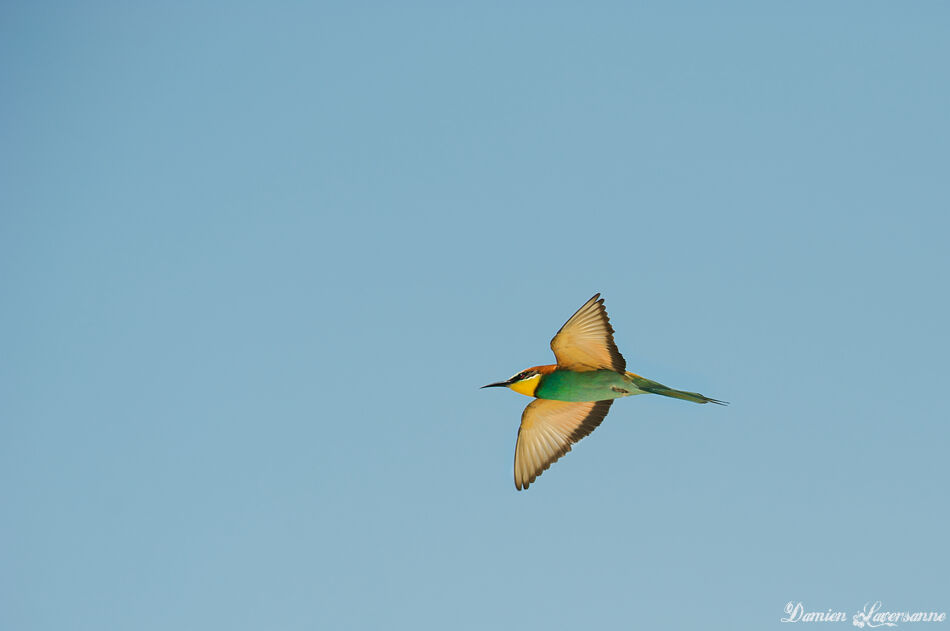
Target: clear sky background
column 257, row 259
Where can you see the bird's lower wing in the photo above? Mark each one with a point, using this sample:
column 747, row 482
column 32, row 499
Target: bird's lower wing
column 548, row 429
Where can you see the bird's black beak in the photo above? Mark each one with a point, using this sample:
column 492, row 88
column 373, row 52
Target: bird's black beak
column 499, row 384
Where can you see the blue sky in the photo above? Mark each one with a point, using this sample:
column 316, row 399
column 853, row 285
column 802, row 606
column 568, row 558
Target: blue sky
column 256, row 259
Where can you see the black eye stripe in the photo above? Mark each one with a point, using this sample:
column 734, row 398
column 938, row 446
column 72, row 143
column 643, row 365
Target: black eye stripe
column 525, row 374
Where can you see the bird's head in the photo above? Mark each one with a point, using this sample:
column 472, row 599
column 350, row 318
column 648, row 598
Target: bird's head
column 525, row 382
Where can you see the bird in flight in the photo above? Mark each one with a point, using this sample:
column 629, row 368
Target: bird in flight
column 573, row 396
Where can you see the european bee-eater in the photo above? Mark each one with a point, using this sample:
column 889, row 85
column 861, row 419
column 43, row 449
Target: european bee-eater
column 573, row 396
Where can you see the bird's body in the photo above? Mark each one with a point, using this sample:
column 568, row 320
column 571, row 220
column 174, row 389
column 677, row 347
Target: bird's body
column 569, row 385
column 595, row 385
column 574, row 395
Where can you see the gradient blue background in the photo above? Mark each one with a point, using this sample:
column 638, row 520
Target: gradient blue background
column 257, row 258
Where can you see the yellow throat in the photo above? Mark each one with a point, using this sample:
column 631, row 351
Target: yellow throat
column 526, row 386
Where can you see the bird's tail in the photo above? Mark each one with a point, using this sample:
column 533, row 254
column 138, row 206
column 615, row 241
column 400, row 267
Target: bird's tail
column 653, row 387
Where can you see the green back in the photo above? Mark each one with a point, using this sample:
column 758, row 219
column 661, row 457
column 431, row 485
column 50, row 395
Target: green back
column 594, row 385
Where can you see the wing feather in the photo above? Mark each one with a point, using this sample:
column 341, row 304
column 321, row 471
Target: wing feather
column 586, row 341
column 548, row 429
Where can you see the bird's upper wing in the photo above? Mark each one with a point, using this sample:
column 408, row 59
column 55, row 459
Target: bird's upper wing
column 586, row 341
column 548, row 429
